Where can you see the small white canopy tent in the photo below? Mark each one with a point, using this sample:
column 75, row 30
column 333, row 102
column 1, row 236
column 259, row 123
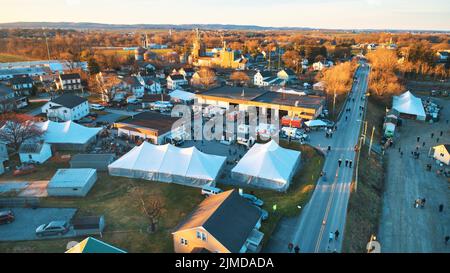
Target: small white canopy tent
column 408, row 104
column 267, row 166
column 167, row 163
column 180, row 95
column 315, row 123
column 68, row 135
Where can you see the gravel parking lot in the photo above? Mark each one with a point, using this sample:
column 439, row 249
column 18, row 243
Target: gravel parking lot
column 27, row 220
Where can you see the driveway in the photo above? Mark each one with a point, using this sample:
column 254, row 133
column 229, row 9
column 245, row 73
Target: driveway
column 404, row 228
column 27, row 220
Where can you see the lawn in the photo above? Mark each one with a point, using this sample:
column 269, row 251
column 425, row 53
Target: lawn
column 6, row 58
column 364, row 208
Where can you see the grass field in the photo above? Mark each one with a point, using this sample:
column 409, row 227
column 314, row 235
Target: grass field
column 364, row 208
column 126, row 224
column 5, row 58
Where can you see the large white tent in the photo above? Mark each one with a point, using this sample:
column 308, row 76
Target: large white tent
column 68, row 135
column 167, row 163
column 267, row 166
column 410, row 105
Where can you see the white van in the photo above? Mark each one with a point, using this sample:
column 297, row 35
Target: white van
column 95, row 106
column 208, row 191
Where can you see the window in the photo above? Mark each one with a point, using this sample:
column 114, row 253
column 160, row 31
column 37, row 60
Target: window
column 201, row 236
column 184, row 242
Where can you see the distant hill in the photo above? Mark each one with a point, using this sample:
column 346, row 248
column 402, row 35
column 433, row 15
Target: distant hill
column 86, row 25
column 99, row 26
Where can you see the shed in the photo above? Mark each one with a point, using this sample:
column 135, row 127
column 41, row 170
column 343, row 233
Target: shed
column 89, row 225
column 72, row 182
column 35, row 152
column 95, row 161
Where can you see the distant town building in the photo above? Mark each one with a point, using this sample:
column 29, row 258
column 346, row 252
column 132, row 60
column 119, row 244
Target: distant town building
column 176, row 81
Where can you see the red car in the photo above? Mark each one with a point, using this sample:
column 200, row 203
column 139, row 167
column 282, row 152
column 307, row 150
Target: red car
column 6, row 217
column 24, row 170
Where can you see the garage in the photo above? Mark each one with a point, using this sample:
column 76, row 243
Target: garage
column 72, row 182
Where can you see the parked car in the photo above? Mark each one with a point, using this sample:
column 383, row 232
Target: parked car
column 98, row 107
column 6, row 217
column 53, row 228
column 208, row 191
column 26, row 169
column 255, row 201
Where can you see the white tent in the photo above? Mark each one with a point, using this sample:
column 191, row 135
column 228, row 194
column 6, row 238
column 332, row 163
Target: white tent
column 68, row 135
column 408, row 104
column 315, row 123
column 180, row 95
column 167, row 163
column 267, row 166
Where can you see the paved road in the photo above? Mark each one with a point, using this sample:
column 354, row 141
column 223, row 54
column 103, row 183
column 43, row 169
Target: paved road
column 404, row 228
column 326, row 211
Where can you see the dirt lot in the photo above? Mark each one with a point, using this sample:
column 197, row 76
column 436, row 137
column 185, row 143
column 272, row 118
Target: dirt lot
column 403, row 227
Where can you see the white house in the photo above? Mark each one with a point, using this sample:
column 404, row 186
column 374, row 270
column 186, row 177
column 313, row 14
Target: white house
column 187, row 72
column 66, row 107
column 134, row 85
column 442, row 153
column 176, row 81
column 151, row 85
column 69, row 82
column 260, row 78
column 35, row 152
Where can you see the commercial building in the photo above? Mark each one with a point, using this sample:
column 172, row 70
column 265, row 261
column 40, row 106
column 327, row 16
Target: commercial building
column 303, row 106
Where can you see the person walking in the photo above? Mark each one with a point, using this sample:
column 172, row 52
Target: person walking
column 447, row 238
column 350, row 163
column 401, row 154
column 437, row 140
column 432, row 135
column 290, row 247
column 331, row 237
column 346, row 163
column 346, row 118
column 336, row 235
column 441, row 207
column 423, row 202
column 297, row 249
column 441, row 133
column 423, row 144
column 339, row 162
column 418, row 138
column 329, row 148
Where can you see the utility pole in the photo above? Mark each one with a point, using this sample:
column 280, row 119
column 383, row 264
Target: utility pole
column 48, row 50
column 365, row 131
column 371, row 139
column 357, row 163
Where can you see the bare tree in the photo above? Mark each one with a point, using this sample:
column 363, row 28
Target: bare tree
column 17, row 129
column 206, row 78
column 152, row 210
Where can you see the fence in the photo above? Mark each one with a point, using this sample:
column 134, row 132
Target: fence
column 19, row 202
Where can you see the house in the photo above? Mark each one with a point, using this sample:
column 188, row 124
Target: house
column 148, row 99
column 92, row 245
column 7, row 99
column 22, row 85
column 176, row 81
column 222, row 223
column 35, row 152
column 443, row 56
column 69, row 82
column 287, row 75
column 442, row 153
column 151, row 84
column 187, row 72
column 72, row 182
column 151, row 126
column 3, row 156
column 261, row 77
column 318, row 66
column 66, row 107
column 133, row 85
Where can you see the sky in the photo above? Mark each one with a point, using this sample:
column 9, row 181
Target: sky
column 333, row 14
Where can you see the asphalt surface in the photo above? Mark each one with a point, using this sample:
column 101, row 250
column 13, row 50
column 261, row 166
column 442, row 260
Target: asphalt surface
column 404, row 228
column 327, row 209
column 27, row 220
